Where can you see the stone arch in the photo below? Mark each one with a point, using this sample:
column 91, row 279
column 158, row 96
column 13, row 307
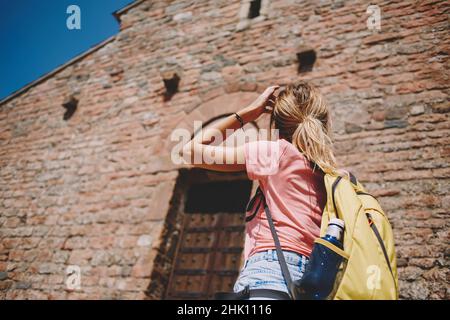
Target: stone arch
column 224, row 104
column 206, row 112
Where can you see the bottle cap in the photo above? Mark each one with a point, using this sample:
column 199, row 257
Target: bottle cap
column 337, row 222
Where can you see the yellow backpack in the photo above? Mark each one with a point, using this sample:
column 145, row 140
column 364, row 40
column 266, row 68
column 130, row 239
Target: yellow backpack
column 369, row 270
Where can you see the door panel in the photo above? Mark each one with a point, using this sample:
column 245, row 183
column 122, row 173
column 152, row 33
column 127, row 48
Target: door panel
column 209, row 255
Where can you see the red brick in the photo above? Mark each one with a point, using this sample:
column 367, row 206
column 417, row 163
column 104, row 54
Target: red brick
column 83, row 191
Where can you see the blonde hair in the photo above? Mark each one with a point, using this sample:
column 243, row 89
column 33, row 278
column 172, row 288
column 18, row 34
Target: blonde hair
column 302, row 117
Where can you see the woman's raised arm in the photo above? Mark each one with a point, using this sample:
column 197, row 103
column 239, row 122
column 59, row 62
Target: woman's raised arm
column 202, row 154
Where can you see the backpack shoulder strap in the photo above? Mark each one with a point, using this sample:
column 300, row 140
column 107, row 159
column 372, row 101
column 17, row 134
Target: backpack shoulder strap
column 353, row 178
column 334, row 186
column 251, row 204
column 280, row 255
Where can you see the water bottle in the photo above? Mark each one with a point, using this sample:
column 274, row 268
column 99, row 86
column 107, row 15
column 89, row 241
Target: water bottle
column 320, row 274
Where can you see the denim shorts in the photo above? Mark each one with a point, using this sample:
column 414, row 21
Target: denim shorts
column 262, row 271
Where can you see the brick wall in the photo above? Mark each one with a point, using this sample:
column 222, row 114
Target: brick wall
column 94, row 190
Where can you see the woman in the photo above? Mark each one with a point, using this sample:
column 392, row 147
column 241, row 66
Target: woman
column 291, row 179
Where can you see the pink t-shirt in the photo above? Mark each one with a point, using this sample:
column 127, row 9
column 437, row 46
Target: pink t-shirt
column 294, row 193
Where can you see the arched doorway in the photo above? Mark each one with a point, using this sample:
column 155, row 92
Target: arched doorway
column 209, row 250
column 202, row 240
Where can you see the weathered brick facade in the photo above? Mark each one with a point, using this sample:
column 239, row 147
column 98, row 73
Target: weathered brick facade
column 95, row 190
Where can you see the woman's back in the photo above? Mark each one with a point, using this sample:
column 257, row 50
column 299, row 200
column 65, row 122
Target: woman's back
column 294, row 193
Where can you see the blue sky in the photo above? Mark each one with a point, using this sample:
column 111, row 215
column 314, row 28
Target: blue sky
column 34, row 37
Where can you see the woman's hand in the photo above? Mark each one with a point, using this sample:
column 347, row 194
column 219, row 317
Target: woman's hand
column 263, row 104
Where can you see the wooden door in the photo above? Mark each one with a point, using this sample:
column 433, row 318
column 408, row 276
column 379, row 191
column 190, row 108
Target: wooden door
column 209, row 255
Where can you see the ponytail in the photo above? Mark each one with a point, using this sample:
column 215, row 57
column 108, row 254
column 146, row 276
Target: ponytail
column 312, row 140
column 301, row 115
